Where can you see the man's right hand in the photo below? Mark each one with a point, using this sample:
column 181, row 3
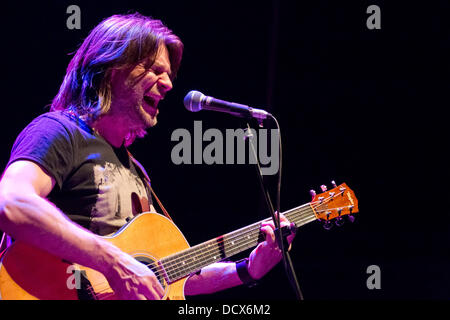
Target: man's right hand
column 132, row 280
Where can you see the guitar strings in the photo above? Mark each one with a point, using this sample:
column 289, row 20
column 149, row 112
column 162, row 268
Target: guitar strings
column 170, row 261
column 255, row 228
column 227, row 237
column 344, row 207
column 200, row 262
column 234, row 251
column 237, row 250
column 169, row 268
column 174, row 265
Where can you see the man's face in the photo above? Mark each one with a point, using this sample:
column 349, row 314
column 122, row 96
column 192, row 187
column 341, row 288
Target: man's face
column 136, row 92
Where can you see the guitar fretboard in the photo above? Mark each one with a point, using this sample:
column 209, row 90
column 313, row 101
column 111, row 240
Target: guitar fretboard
column 191, row 260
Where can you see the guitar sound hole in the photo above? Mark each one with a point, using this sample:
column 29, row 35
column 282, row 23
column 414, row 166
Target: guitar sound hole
column 152, row 265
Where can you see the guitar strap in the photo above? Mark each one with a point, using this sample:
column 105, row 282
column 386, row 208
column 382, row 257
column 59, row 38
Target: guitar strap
column 146, row 179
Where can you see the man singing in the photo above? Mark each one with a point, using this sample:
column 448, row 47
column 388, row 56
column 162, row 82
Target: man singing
column 70, row 178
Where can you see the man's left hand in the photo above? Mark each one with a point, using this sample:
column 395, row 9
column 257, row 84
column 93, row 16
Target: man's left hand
column 267, row 254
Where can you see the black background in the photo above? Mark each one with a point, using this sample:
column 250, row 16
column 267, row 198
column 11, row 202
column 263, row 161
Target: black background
column 365, row 107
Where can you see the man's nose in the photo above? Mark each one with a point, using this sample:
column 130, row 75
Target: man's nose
column 164, row 83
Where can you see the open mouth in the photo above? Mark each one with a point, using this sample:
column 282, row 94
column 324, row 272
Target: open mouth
column 150, row 105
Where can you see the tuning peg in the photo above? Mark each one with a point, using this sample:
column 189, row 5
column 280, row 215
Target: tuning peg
column 339, row 221
column 333, row 183
column 323, row 187
column 312, row 193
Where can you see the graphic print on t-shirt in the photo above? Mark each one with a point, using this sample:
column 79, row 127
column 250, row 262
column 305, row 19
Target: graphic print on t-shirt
column 117, row 187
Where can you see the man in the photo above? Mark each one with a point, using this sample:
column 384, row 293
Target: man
column 73, row 162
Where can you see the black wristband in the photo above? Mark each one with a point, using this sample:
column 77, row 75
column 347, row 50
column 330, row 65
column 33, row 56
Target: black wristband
column 242, row 271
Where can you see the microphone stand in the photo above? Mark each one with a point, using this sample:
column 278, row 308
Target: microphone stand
column 281, row 239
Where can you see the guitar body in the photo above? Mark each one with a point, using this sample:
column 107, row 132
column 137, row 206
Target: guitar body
column 28, row 273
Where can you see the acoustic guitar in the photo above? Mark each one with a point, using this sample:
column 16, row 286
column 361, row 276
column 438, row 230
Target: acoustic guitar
column 29, row 273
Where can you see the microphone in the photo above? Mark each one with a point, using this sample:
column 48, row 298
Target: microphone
column 195, row 101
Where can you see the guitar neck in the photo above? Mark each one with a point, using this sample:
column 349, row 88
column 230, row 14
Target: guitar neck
column 186, row 262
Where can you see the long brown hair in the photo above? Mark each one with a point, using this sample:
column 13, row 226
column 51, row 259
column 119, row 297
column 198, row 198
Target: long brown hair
column 118, row 41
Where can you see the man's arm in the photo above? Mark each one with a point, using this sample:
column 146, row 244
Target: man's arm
column 26, row 215
column 223, row 275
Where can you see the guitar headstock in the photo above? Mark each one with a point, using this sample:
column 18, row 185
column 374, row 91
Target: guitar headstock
column 334, row 204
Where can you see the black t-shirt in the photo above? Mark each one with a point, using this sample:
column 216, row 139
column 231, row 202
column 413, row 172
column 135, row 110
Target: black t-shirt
column 97, row 186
